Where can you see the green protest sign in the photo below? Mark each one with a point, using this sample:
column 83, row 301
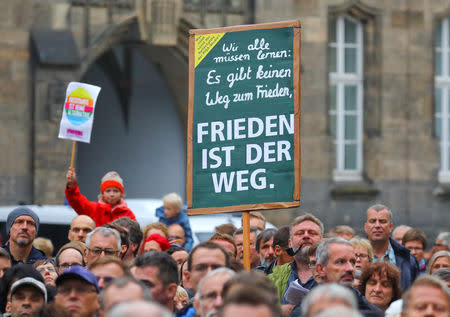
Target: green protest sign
column 244, row 118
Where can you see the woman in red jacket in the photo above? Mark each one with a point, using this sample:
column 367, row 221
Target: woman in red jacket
column 110, row 205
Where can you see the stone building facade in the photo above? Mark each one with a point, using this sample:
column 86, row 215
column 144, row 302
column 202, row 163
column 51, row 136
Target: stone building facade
column 374, row 119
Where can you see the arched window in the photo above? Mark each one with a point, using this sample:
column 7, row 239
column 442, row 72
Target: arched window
column 442, row 96
column 346, row 96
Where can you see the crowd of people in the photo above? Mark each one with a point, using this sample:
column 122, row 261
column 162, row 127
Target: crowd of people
column 112, row 267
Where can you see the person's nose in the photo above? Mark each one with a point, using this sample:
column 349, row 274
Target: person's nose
column 26, row 302
column 23, row 226
column 377, row 288
column 218, row 301
column 73, row 293
column 271, row 251
column 350, row 267
column 429, row 311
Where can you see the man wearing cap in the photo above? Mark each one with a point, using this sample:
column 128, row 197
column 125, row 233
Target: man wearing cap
column 22, row 225
column 77, row 292
column 27, row 297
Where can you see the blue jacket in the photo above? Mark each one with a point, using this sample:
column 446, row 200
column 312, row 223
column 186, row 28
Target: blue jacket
column 407, row 264
column 182, row 219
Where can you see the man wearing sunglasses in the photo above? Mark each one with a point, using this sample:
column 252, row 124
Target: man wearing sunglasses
column 101, row 242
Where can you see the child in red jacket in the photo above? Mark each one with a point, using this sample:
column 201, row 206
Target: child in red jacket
column 110, row 205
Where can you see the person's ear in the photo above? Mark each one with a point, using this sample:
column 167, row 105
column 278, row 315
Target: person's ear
column 187, row 277
column 85, row 255
column 172, row 290
column 321, row 270
column 123, row 250
column 8, row 307
column 366, row 229
column 277, row 250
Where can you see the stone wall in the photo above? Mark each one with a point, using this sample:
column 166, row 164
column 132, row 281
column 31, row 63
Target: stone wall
column 401, row 155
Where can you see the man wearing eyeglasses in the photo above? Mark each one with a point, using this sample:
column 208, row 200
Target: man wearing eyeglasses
column 415, row 241
column 209, row 298
column 101, row 242
column 70, row 254
column 77, row 292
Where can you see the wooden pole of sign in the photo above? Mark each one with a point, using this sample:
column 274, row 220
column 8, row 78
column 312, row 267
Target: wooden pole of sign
column 72, row 159
column 246, row 239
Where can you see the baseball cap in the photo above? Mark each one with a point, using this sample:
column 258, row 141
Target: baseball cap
column 29, row 281
column 80, row 273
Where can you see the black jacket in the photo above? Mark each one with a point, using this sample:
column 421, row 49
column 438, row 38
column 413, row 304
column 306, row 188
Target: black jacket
column 406, row 262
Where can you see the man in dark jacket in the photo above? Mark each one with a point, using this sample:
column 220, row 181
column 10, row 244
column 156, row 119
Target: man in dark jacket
column 378, row 228
column 22, row 226
column 336, row 264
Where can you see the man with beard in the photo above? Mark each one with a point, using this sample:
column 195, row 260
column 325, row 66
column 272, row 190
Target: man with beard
column 22, row 225
column 304, row 232
column 264, row 247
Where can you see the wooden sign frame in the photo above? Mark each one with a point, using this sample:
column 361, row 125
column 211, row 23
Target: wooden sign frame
column 295, row 24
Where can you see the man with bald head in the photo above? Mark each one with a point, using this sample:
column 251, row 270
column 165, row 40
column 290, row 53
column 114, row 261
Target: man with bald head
column 69, row 255
column 80, row 227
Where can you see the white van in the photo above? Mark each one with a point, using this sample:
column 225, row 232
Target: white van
column 55, row 220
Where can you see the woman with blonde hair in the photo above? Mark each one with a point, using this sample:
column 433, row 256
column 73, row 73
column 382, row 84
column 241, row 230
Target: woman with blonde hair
column 439, row 260
column 364, row 256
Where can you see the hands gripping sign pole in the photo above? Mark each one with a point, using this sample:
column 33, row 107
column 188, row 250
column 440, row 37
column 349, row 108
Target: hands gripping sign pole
column 243, row 147
column 78, row 114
